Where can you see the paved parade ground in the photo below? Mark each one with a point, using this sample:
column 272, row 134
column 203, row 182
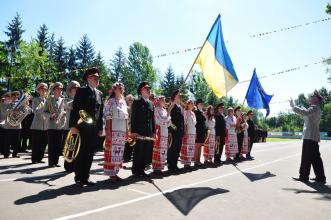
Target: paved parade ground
column 257, row 189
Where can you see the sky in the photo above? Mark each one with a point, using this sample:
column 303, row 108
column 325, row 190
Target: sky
column 171, row 25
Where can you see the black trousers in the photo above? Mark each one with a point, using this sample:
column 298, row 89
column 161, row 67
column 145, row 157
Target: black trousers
column 250, row 146
column 219, row 151
column 84, row 159
column 128, row 150
column 141, row 156
column 2, row 139
column 54, row 146
column 240, row 138
column 12, row 140
column 174, row 150
column 311, row 156
column 26, row 142
column 39, row 142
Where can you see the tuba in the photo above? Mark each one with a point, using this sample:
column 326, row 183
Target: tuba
column 73, row 141
column 19, row 111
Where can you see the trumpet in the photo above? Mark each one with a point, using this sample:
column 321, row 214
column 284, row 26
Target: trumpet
column 73, row 141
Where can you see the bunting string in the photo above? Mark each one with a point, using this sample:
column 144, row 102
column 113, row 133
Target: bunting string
column 262, row 34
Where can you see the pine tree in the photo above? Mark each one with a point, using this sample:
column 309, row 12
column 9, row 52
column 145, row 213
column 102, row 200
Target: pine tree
column 85, row 52
column 60, row 56
column 72, row 62
column 107, row 81
column 51, row 48
column 168, row 85
column 118, row 64
column 180, row 84
column 14, row 33
column 42, row 37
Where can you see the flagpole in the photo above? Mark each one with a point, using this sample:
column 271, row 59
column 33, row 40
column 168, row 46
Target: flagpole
column 244, row 101
column 189, row 72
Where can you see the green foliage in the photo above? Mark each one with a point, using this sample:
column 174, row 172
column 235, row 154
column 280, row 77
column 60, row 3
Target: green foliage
column 328, row 9
column 85, row 52
column 14, row 33
column 140, row 63
column 168, row 84
column 31, row 65
column 118, row 65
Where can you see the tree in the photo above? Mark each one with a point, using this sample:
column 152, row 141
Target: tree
column 85, row 52
column 180, row 84
column 302, row 100
column 106, row 80
column 31, row 66
column 14, row 33
column 328, row 9
column 60, row 56
column 198, row 86
column 140, row 63
column 72, row 64
column 42, row 37
column 168, row 85
column 118, row 65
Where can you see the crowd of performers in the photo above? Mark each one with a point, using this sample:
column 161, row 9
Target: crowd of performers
column 147, row 131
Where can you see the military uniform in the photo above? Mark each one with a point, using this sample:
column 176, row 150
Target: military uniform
column 12, row 135
column 90, row 101
column 220, row 129
column 38, row 129
column 177, row 118
column 142, row 123
column 55, row 127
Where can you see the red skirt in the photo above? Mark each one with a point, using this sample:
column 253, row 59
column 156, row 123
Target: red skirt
column 160, row 148
column 187, row 149
column 114, row 150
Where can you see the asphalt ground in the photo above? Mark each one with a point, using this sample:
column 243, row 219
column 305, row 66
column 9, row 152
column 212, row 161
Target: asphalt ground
column 254, row 189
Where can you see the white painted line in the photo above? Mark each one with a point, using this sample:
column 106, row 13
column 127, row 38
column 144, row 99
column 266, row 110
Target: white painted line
column 138, row 191
column 31, row 177
column 5, row 180
column 166, row 191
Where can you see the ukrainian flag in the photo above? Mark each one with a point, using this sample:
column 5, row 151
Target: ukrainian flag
column 215, row 62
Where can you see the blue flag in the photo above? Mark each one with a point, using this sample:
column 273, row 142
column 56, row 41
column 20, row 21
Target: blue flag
column 256, row 97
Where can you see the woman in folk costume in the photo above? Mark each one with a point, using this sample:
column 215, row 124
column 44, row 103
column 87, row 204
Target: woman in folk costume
column 244, row 125
column 209, row 147
column 201, row 130
column 162, row 122
column 116, row 115
column 188, row 144
column 231, row 144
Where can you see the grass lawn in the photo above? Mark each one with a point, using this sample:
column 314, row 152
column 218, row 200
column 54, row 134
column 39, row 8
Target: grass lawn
column 280, row 139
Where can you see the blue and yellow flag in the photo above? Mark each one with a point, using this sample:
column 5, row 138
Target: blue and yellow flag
column 215, row 62
column 256, row 97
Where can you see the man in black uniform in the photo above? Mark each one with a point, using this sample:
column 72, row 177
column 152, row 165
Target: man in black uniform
column 220, row 129
column 177, row 119
column 89, row 99
column 251, row 132
column 201, row 131
column 142, row 125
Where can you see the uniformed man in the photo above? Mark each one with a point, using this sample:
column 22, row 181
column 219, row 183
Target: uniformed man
column 26, row 142
column 220, row 130
column 3, row 114
column 87, row 98
column 311, row 136
column 39, row 124
column 143, row 125
column 201, row 131
column 54, row 112
column 251, row 132
column 12, row 133
column 71, row 92
column 177, row 119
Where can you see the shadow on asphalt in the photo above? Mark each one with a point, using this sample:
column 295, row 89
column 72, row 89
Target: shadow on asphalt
column 187, row 198
column 255, row 176
column 44, row 179
column 317, row 188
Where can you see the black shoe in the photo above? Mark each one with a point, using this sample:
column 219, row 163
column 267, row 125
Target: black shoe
column 41, row 162
column 299, row 179
column 79, row 184
column 16, row 156
column 89, row 183
column 143, row 174
column 318, row 180
column 57, row 165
